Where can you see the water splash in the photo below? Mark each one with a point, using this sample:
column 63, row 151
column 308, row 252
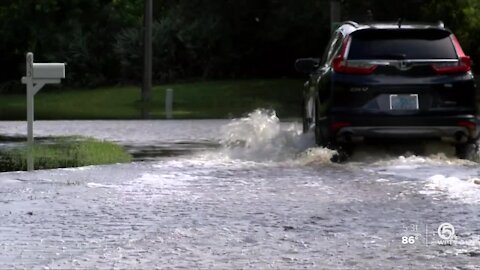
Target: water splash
column 262, row 137
column 463, row 190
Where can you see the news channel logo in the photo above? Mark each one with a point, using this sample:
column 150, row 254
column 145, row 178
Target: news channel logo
column 446, row 231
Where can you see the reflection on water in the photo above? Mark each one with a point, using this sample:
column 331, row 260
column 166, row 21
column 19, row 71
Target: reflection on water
column 144, row 139
column 132, row 132
column 161, row 150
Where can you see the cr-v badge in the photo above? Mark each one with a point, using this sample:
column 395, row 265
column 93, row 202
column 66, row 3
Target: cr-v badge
column 358, row 89
column 402, row 65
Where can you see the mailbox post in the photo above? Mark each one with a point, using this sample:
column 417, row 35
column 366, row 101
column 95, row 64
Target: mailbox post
column 38, row 74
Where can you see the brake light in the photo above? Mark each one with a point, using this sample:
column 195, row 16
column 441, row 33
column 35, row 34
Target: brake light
column 467, row 124
column 463, row 65
column 336, row 126
column 341, row 65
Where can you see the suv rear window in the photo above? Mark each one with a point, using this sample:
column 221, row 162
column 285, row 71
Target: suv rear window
column 401, row 44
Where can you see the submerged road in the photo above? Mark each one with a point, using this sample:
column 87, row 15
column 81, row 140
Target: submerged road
column 250, row 193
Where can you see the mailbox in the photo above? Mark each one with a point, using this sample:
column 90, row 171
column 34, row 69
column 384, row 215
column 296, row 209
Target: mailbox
column 38, row 75
column 48, row 71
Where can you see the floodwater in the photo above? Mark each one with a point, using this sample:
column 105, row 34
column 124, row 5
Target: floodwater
column 250, row 193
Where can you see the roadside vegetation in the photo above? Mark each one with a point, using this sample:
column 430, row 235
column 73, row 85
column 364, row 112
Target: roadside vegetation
column 63, row 152
column 102, row 40
column 221, row 46
column 210, row 99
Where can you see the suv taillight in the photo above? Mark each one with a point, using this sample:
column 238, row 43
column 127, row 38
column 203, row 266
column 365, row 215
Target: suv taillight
column 341, row 65
column 463, row 65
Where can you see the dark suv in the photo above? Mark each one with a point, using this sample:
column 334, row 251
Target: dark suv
column 391, row 81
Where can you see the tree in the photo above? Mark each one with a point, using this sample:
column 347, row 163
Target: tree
column 101, row 40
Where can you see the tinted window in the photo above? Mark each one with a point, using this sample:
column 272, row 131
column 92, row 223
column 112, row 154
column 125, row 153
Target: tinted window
column 401, row 44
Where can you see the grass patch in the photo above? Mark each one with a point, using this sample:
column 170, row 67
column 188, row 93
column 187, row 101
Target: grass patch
column 64, row 152
column 211, row 99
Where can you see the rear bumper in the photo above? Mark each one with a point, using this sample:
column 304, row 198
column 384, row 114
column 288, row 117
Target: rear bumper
column 450, row 134
column 458, row 128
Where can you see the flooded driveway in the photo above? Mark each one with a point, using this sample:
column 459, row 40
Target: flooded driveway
column 250, row 193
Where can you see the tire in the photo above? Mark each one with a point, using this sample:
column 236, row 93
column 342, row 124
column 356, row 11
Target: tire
column 320, row 139
column 306, row 122
column 323, row 139
column 344, row 151
column 466, row 150
column 305, row 125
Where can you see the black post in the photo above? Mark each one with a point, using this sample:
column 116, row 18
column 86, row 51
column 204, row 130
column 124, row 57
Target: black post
column 147, row 60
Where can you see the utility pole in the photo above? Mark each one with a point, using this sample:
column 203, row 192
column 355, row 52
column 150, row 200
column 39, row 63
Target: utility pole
column 335, row 15
column 147, row 57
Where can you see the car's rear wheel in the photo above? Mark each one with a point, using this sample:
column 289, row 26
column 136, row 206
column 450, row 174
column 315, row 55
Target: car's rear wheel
column 320, row 137
column 306, row 121
column 467, row 150
column 344, row 151
column 323, row 138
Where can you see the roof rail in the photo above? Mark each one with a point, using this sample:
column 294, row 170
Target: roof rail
column 352, row 23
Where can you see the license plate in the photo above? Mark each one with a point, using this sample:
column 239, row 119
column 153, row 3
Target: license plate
column 404, row 102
